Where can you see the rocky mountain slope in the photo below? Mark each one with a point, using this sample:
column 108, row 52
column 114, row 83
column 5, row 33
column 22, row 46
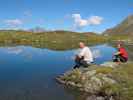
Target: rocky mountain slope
column 124, row 28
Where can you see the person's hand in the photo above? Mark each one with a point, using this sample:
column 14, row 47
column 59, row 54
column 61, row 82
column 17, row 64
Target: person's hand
column 117, row 53
column 76, row 56
column 114, row 54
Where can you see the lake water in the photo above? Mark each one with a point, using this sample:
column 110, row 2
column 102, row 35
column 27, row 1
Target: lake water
column 28, row 73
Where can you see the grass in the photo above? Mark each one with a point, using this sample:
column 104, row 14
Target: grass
column 58, row 40
column 75, row 76
column 104, row 70
column 124, row 76
column 120, row 37
column 124, row 88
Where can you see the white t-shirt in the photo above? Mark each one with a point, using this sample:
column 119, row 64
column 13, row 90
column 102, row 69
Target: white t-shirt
column 87, row 54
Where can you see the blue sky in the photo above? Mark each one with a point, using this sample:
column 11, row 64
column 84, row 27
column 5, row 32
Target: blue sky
column 75, row 15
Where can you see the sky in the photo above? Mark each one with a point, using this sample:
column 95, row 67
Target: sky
column 71, row 15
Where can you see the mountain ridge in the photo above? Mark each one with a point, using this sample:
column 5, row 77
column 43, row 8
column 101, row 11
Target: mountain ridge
column 123, row 28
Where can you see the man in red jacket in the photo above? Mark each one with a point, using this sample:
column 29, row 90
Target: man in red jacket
column 121, row 55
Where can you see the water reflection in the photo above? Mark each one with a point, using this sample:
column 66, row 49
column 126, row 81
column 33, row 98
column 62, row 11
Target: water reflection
column 14, row 50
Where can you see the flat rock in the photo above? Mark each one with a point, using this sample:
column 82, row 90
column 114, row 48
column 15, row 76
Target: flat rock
column 109, row 64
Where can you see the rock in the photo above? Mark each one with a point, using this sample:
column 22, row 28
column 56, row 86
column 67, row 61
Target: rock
column 88, row 81
column 91, row 73
column 109, row 64
column 95, row 79
column 100, row 98
column 108, row 80
column 93, row 97
column 104, row 82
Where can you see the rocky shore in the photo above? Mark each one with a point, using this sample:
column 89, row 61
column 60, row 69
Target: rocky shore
column 107, row 81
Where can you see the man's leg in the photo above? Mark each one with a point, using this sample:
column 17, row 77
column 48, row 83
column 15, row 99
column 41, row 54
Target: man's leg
column 119, row 58
column 84, row 63
column 116, row 58
column 123, row 59
column 78, row 62
column 77, row 65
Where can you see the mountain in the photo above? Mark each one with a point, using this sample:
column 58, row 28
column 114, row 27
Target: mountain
column 37, row 30
column 124, row 28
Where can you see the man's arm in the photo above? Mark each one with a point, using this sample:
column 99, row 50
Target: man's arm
column 81, row 54
column 117, row 53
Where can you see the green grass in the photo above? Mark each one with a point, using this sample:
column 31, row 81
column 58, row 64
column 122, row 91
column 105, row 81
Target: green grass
column 58, row 40
column 124, row 87
column 104, row 70
column 124, row 76
column 119, row 37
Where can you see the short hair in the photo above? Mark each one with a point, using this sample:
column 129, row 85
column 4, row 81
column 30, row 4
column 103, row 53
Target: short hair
column 82, row 42
column 120, row 43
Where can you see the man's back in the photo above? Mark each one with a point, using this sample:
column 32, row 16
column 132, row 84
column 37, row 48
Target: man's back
column 87, row 54
column 123, row 52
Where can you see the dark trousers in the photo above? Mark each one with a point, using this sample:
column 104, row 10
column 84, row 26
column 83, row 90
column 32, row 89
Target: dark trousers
column 80, row 62
column 119, row 58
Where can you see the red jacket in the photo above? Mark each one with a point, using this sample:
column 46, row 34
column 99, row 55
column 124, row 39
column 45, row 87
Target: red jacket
column 123, row 52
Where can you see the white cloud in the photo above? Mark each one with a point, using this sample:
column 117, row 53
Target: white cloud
column 79, row 22
column 13, row 22
column 95, row 20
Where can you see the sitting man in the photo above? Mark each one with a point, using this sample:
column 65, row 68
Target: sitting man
column 85, row 57
column 121, row 55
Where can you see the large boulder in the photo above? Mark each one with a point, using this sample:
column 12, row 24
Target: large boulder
column 105, row 82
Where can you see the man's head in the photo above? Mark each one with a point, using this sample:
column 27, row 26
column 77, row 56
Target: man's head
column 119, row 45
column 81, row 45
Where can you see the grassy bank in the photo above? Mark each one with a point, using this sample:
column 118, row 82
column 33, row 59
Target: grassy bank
column 57, row 40
column 120, row 37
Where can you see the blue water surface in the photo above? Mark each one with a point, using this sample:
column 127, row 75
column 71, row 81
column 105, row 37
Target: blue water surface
column 28, row 73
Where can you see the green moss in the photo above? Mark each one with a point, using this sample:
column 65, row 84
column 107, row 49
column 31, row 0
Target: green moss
column 74, row 76
column 104, row 70
column 111, row 89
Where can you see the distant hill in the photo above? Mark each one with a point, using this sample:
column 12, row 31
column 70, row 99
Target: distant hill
column 90, row 33
column 124, row 28
column 40, row 30
column 37, row 30
column 58, row 39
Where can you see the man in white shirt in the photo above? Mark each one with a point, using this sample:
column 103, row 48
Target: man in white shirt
column 84, row 57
